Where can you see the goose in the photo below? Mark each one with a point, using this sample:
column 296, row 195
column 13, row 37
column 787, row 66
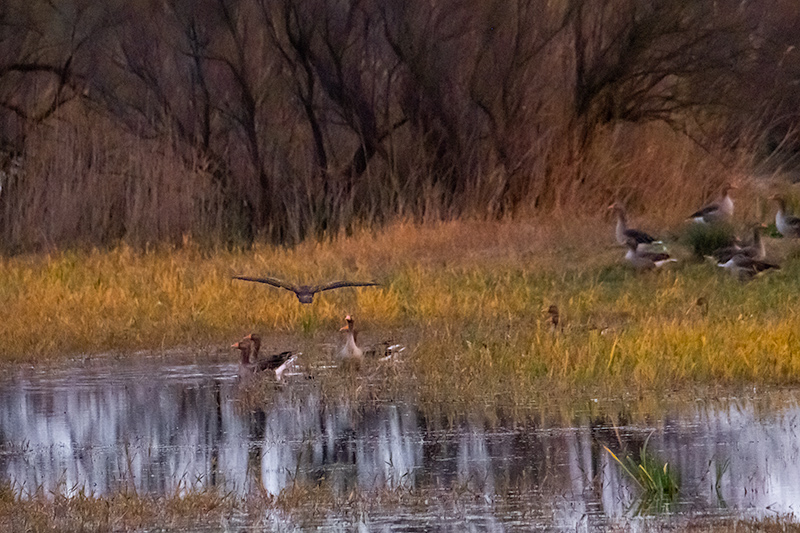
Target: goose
column 755, row 250
column 788, row 225
column 644, row 260
column 745, row 268
column 623, row 232
column 249, row 363
column 305, row 293
column 350, row 350
column 720, row 210
column 384, row 351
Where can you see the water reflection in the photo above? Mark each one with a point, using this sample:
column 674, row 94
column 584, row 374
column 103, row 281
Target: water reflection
column 153, row 428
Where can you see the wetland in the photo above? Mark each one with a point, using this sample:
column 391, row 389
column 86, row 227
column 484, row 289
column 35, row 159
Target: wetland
column 124, row 407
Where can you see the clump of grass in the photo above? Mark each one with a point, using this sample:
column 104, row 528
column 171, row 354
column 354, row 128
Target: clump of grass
column 704, row 239
column 659, row 484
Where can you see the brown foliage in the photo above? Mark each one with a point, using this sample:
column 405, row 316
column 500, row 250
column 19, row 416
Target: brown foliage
column 231, row 119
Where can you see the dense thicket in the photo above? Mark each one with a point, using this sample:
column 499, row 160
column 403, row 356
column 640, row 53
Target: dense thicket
column 226, row 120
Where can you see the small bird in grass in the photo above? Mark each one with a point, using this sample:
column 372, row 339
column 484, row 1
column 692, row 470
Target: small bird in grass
column 788, row 225
column 623, row 232
column 250, row 363
column 720, row 210
column 701, row 304
column 554, row 319
column 644, row 260
column 305, row 293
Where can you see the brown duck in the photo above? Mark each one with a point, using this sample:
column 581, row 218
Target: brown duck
column 305, row 293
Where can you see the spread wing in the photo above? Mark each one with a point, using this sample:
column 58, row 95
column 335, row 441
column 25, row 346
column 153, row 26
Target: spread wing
column 339, row 284
column 269, row 281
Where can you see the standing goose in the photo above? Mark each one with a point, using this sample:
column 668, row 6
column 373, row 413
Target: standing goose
column 788, row 225
column 350, row 351
column 720, row 210
column 644, row 260
column 755, row 250
column 305, row 293
column 249, row 363
column 623, row 232
column 745, row 268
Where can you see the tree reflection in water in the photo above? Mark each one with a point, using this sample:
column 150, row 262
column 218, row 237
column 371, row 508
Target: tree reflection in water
column 162, row 429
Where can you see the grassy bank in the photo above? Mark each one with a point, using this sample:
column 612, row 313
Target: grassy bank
column 302, row 508
column 468, row 298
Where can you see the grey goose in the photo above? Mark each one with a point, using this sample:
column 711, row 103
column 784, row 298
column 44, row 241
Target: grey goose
column 720, row 210
column 623, row 232
column 305, row 293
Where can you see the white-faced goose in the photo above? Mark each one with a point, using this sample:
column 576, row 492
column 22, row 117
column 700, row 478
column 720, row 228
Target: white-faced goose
column 623, row 232
column 644, row 260
column 745, row 268
column 250, row 363
column 720, row 210
column 788, row 225
column 305, row 293
column 756, row 250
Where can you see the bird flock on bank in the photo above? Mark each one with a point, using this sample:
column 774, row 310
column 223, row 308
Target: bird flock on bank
column 644, row 252
column 742, row 261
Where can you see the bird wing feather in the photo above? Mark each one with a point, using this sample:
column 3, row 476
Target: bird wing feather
column 652, row 256
column 274, row 361
column 339, row 284
column 640, row 236
column 707, row 210
column 275, row 282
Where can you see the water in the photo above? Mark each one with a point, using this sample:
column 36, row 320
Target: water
column 151, row 426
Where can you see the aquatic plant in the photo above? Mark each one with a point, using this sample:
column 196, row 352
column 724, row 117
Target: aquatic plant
column 659, row 485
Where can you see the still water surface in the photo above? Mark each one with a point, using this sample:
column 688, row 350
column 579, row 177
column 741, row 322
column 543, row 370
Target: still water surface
column 151, row 426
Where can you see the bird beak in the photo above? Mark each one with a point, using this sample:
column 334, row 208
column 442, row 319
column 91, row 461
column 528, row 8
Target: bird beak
column 344, row 328
column 235, row 345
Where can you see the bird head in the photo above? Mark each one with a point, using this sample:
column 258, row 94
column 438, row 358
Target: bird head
column 256, row 340
column 349, row 324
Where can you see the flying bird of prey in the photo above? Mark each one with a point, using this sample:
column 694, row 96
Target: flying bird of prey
column 305, row 293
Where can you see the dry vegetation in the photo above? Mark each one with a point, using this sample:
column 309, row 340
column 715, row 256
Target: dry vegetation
column 230, row 122
column 310, row 508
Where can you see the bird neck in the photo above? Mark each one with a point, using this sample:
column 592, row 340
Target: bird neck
column 758, row 243
column 352, row 335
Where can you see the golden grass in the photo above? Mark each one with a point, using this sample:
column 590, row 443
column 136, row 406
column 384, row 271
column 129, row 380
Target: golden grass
column 468, row 297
